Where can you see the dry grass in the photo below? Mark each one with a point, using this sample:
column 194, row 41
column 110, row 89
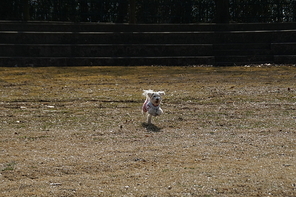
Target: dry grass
column 78, row 131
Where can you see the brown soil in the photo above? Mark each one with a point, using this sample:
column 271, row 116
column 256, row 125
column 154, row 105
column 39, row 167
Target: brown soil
column 78, row 131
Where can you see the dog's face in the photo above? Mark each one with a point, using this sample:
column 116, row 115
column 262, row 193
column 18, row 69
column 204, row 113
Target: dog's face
column 155, row 97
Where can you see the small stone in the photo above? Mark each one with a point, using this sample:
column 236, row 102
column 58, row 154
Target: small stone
column 55, row 184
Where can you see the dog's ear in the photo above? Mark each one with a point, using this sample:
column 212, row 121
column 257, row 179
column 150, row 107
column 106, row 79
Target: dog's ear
column 150, row 94
column 161, row 93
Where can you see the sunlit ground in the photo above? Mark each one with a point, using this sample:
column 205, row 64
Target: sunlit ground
column 78, row 131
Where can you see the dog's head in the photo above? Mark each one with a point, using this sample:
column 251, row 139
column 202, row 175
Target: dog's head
column 155, row 97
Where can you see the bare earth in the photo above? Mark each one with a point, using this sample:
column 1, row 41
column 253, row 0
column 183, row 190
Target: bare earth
column 78, row 131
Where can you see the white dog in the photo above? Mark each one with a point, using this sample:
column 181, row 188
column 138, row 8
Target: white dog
column 151, row 105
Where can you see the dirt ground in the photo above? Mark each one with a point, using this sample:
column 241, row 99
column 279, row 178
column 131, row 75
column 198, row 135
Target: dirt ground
column 78, row 131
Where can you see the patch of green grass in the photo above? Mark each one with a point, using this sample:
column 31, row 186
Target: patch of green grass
column 9, row 166
column 33, row 138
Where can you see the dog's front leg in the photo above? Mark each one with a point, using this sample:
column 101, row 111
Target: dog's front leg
column 159, row 112
column 149, row 116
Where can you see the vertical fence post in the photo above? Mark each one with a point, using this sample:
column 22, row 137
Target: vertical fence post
column 294, row 11
column 132, row 12
column 222, row 11
column 26, row 12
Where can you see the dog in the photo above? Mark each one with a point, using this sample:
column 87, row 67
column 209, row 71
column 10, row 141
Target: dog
column 151, row 106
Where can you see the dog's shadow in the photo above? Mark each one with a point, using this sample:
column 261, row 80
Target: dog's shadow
column 151, row 127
